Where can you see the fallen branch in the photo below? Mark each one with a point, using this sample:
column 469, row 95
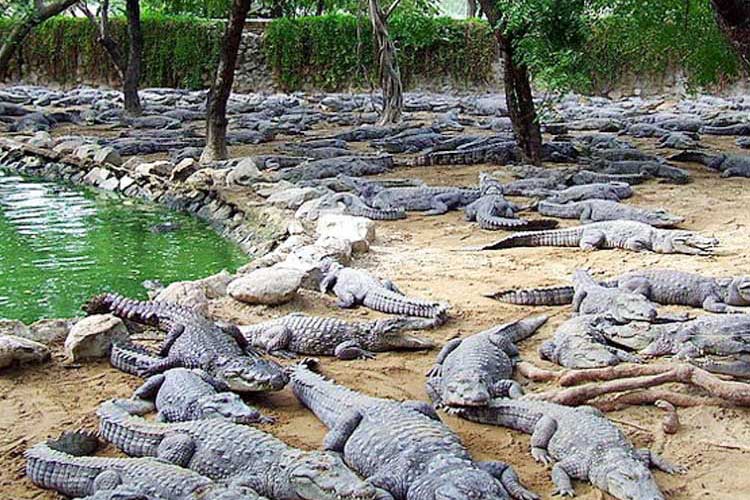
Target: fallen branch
column 671, row 422
column 536, row 374
column 651, row 396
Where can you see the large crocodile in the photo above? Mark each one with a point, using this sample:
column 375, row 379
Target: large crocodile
column 181, row 394
column 663, row 286
column 614, row 191
column 353, row 205
column 193, row 341
column 589, row 211
column 64, row 465
column 355, row 287
column 721, row 335
column 592, row 298
column 473, row 370
column 222, row 450
column 299, row 333
column 582, row 441
column 628, row 235
column 493, row 212
column 496, row 150
column 730, row 165
column 402, row 447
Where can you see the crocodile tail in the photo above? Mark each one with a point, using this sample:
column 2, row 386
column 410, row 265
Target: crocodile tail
column 390, row 302
column 548, row 296
column 133, row 435
column 329, row 401
column 377, row 214
column 125, row 308
column 552, row 238
column 131, row 358
column 494, row 223
column 562, row 210
column 62, row 464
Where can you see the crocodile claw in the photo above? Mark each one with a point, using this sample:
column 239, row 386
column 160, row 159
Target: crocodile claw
column 565, row 492
column 541, row 455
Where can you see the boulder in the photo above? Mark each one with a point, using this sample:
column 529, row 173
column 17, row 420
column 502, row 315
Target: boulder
column 41, row 139
column 293, row 198
column 183, row 170
column 97, row 176
column 266, row 189
column 310, row 260
column 108, row 155
column 185, row 293
column 125, row 182
column 269, row 285
column 68, row 146
column 244, row 174
column 359, row 231
column 47, row 331
column 85, row 151
column 17, row 350
column 92, row 336
column 215, row 286
column 13, row 327
column 160, row 168
column 206, row 179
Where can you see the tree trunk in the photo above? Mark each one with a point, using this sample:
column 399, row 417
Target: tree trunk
column 23, row 27
column 733, row 18
column 390, row 76
column 216, row 108
column 471, row 8
column 132, row 74
column 518, row 96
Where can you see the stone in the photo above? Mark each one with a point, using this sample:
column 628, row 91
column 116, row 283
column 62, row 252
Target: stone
column 17, row 350
column 68, row 146
column 47, row 331
column 359, row 231
column 184, row 169
column 92, row 337
column 41, row 139
column 310, row 259
column 266, row 189
column 244, row 174
column 206, row 179
column 293, row 198
column 96, row 176
column 160, row 168
column 215, row 286
column 132, row 163
column 85, row 151
column 13, row 327
column 125, row 182
column 270, row 286
column 111, row 184
column 185, row 293
column 310, row 210
column 108, row 155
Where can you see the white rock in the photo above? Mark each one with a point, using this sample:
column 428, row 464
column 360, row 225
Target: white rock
column 16, row 350
column 46, row 331
column 184, row 169
column 96, row 176
column 41, row 139
column 185, row 293
column 108, row 155
column 92, row 336
column 160, row 168
column 13, row 327
column 110, row 184
column 266, row 189
column 269, row 285
column 359, row 231
column 244, row 174
column 125, row 182
column 309, row 259
column 293, row 198
column 215, row 286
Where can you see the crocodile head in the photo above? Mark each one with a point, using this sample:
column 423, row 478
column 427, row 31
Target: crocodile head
column 624, row 478
column 466, row 388
column 317, row 475
column 390, row 333
column 632, row 307
column 452, row 479
column 661, row 218
column 662, row 345
column 250, row 374
column 228, row 405
column 739, row 291
column 233, row 492
column 489, row 185
column 683, row 242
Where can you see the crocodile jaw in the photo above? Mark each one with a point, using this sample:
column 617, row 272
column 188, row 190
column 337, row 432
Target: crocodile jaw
column 323, row 476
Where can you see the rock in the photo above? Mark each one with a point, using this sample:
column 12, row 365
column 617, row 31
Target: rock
column 68, row 146
column 310, row 259
column 244, row 174
column 85, row 151
column 293, row 198
column 184, row 169
column 108, row 155
column 41, row 139
column 359, row 231
column 161, row 168
column 17, row 350
column 270, row 286
column 97, row 176
column 132, row 163
column 92, row 336
column 125, row 182
column 215, row 286
column 206, row 179
column 185, row 293
column 110, row 184
column 47, row 331
column 13, row 327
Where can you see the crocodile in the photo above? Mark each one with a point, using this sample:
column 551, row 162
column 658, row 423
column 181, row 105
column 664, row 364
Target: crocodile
column 240, row 454
column 498, row 150
column 624, row 154
column 580, row 342
column 299, row 333
column 720, row 335
column 355, row 287
column 589, row 211
column 663, row 286
column 181, row 394
column 473, row 370
column 493, row 212
column 730, row 165
column 666, row 172
column 738, row 129
column 614, row 191
column 581, row 442
column 353, row 205
column 193, row 341
column 65, row 466
column 628, row 235
column 350, row 165
column 585, row 177
column 432, row 200
column 592, row 298
column 402, row 447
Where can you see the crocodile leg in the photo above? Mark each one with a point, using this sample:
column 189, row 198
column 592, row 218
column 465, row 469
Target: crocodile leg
column 212, row 381
column 280, row 336
column 591, row 239
column 235, row 333
column 107, row 480
column 346, row 300
column 715, row 305
column 506, row 388
column 390, row 285
column 637, row 285
column 351, row 350
column 177, row 449
column 508, row 478
column 442, row 203
column 578, row 299
column 337, row 437
column 448, row 348
column 654, row 460
column 544, row 429
column 174, row 333
column 162, row 365
column 422, row 407
column 561, row 478
column 150, row 388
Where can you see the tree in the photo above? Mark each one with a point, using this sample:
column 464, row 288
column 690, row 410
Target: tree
column 30, row 15
column 733, row 18
column 129, row 68
column 221, row 87
column 517, row 82
column 390, row 76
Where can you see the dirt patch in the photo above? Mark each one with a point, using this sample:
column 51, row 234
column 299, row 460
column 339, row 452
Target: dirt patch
column 419, row 254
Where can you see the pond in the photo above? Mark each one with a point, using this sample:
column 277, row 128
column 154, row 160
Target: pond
column 60, row 244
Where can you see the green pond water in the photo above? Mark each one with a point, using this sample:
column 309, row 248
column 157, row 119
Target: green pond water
column 59, row 245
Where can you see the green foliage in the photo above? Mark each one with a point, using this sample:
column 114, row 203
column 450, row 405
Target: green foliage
column 336, row 51
column 197, row 8
column 178, row 52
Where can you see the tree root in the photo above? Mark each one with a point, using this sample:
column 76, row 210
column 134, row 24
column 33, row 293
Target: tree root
column 536, row 374
column 671, row 422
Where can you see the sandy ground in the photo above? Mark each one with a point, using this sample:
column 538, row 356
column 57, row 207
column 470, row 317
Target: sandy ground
column 418, row 254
